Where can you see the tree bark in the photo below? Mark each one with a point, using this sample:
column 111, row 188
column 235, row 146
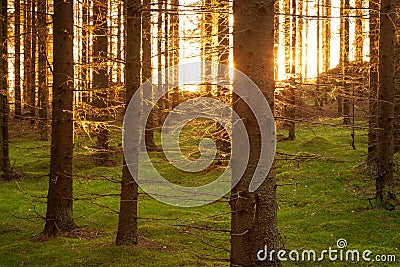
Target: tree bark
column 344, row 52
column 59, row 214
column 27, row 52
column 373, row 82
column 43, row 92
column 385, row 135
column 127, row 224
column 32, row 73
column 4, row 137
column 100, row 81
column 254, row 214
column 147, row 71
column 17, row 70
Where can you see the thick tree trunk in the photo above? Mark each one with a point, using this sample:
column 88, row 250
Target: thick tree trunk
column 385, row 146
column 17, row 67
column 59, row 215
column 100, row 81
column 254, row 214
column 373, row 81
column 43, row 92
column 4, row 138
column 127, row 224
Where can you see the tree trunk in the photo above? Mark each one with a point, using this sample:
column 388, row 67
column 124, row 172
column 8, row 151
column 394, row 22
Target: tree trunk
column 59, row 214
column 291, row 95
column 4, row 138
column 27, row 52
column 17, row 67
column 344, row 52
column 175, row 49
column 43, row 92
column 397, row 86
column 359, row 35
column 100, row 81
column 32, row 74
column 127, row 224
column 385, row 135
column 254, row 214
column 373, row 81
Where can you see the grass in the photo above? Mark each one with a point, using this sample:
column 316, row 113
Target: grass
column 323, row 194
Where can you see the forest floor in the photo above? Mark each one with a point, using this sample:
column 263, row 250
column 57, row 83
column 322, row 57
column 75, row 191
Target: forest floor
column 324, row 194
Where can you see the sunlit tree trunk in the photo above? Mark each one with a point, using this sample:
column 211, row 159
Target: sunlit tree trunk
column 127, row 221
column 385, row 135
column 175, row 48
column 359, row 35
column 32, row 74
column 43, row 92
column 17, row 67
column 254, row 214
column 59, row 214
column 327, row 39
column 4, row 110
column 207, row 46
column 373, row 81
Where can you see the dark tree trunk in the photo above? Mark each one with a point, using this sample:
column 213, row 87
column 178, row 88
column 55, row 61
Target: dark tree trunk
column 27, row 53
column 43, row 92
column 291, row 108
column 207, row 46
column 100, row 81
column 146, row 71
column 397, row 85
column 385, row 135
column 344, row 52
column 17, row 74
column 359, row 35
column 254, row 214
column 4, row 138
column 127, row 224
column 59, row 214
column 373, row 81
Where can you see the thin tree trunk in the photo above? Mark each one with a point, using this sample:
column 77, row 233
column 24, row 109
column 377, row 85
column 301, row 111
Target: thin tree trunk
column 254, row 214
column 127, row 224
column 373, row 81
column 59, row 214
column 27, row 52
column 345, row 45
column 175, row 49
column 385, row 135
column 291, row 92
column 4, row 138
column 17, row 67
column 359, row 35
column 43, row 93
column 100, row 81
column 146, row 71
column 397, row 85
column 32, row 76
